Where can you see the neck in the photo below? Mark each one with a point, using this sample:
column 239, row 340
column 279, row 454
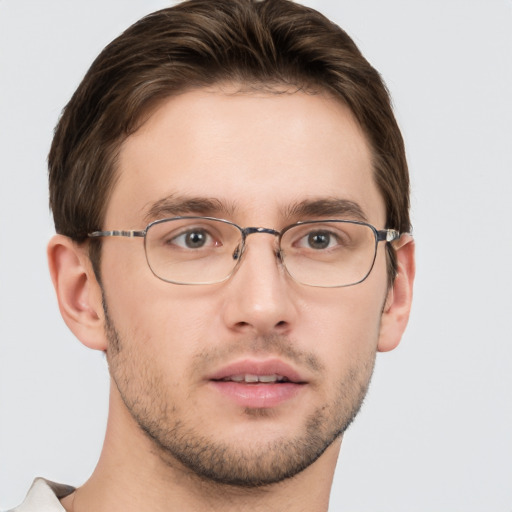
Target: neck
column 131, row 475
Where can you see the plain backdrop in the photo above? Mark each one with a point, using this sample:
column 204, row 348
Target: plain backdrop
column 435, row 433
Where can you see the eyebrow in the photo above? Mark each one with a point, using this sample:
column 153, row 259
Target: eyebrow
column 175, row 206
column 326, row 207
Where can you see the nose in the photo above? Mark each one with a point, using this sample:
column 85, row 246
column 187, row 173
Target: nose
column 259, row 296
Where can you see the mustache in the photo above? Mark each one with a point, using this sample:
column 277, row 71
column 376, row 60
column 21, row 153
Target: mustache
column 272, row 345
column 269, row 345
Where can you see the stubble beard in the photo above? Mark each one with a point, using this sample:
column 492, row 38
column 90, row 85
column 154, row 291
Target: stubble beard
column 216, row 461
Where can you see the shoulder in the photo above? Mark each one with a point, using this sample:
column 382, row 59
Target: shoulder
column 43, row 496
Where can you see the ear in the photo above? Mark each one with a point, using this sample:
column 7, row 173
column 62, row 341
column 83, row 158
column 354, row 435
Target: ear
column 78, row 292
column 398, row 302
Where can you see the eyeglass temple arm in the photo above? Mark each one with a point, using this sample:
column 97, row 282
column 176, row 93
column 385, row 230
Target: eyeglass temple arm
column 130, row 234
column 388, row 235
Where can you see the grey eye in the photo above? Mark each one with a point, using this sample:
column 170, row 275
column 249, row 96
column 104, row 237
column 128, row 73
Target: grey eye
column 319, row 239
column 194, row 239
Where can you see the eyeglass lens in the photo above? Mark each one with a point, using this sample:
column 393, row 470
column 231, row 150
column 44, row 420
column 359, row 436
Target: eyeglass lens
column 204, row 251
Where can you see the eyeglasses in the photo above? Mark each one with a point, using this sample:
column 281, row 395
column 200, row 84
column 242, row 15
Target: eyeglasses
column 206, row 250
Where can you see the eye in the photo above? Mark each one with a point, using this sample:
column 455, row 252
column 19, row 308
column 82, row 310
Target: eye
column 318, row 240
column 194, row 239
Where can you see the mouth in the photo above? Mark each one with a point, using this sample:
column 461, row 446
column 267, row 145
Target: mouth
column 249, row 378
column 258, row 384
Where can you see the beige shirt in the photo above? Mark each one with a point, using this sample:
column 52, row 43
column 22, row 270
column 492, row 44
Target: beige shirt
column 44, row 496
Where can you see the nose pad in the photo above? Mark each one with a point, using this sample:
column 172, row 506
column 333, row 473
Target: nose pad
column 240, row 249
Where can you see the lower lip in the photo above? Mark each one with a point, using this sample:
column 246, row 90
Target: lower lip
column 257, row 396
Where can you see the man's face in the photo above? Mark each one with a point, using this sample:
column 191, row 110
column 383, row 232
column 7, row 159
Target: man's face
column 177, row 352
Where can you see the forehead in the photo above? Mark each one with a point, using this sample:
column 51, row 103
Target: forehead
column 254, row 155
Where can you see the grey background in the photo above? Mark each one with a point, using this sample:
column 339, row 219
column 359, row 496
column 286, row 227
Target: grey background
column 436, row 429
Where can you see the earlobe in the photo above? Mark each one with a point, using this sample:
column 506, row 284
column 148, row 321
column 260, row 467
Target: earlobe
column 397, row 308
column 78, row 292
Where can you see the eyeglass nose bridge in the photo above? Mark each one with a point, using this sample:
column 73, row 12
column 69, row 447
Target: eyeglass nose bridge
column 249, row 231
column 239, row 251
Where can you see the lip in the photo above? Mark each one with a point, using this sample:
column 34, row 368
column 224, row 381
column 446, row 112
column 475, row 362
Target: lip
column 257, row 395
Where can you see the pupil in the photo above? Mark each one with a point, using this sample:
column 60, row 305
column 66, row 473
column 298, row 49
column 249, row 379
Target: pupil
column 319, row 240
column 195, row 239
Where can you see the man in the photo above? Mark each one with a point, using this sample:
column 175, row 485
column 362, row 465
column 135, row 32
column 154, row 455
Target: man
column 230, row 193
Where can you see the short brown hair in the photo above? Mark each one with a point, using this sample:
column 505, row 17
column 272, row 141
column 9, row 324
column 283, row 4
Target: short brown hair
column 199, row 43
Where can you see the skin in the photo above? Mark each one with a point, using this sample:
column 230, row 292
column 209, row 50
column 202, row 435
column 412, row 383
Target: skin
column 256, row 155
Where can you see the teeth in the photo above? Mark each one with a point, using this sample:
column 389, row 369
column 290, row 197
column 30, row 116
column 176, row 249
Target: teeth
column 249, row 378
column 268, row 378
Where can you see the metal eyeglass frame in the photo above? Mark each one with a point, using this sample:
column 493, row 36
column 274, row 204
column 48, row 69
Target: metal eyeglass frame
column 383, row 235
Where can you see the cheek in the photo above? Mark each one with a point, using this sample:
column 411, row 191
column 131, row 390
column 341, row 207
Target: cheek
column 162, row 323
column 344, row 323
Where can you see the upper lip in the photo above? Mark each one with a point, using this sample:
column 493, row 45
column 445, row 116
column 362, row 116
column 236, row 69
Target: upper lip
column 259, row 368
